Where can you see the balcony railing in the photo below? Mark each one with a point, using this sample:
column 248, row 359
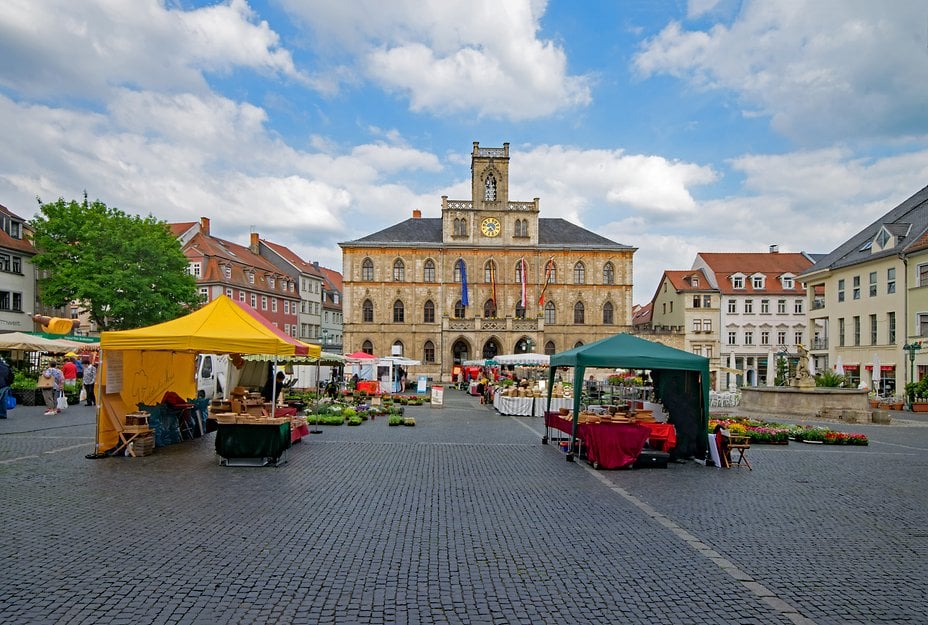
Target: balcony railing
column 820, row 343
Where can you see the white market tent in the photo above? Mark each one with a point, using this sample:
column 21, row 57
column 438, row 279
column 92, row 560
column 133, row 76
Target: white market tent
column 527, row 359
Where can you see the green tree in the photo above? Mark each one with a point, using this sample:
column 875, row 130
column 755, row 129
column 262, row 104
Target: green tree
column 127, row 271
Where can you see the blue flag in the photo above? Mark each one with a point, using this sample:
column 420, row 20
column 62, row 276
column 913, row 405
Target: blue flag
column 464, row 298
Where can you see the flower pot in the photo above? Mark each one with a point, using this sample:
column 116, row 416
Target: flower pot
column 920, row 406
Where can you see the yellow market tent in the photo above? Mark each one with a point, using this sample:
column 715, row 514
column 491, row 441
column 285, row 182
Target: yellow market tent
column 139, row 366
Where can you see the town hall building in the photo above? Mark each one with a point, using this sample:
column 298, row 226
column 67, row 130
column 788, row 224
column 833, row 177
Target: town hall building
column 488, row 277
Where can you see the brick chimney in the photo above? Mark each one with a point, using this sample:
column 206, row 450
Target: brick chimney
column 416, row 214
column 204, row 225
column 253, row 246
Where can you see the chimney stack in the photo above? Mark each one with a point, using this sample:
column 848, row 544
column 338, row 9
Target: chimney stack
column 774, row 249
column 204, row 225
column 254, row 243
column 416, row 214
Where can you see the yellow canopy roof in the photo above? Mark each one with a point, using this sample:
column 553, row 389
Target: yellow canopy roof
column 223, row 326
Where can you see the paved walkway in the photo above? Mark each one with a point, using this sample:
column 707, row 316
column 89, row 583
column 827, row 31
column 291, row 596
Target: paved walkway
column 465, row 518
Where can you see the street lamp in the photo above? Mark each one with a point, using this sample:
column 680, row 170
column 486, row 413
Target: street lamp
column 527, row 345
column 911, row 348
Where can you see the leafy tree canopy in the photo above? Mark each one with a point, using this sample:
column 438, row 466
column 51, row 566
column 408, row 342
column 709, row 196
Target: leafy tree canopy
column 126, row 270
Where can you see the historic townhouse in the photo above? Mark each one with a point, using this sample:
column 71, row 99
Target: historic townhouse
column 762, row 309
column 332, row 315
column 221, row 266
column 686, row 302
column 869, row 299
column 309, row 283
column 488, row 277
column 17, row 275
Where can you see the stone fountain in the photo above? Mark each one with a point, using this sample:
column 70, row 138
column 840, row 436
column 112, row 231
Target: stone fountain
column 804, row 400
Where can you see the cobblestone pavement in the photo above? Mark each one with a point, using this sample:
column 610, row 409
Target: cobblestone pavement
column 465, row 518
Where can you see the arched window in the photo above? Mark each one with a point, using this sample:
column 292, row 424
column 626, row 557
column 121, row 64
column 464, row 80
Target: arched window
column 521, row 228
column 608, row 314
column 428, row 271
column 489, row 272
column 550, row 313
column 460, row 227
column 578, row 313
column 550, row 272
column 489, row 188
column 608, row 274
column 579, row 273
column 401, row 350
column 428, row 312
column 549, row 348
column 367, row 347
column 489, row 309
column 367, row 311
column 459, row 269
column 578, row 344
column 459, row 310
column 367, row 269
column 399, row 270
column 520, row 311
column 399, row 312
column 428, row 352
column 519, row 264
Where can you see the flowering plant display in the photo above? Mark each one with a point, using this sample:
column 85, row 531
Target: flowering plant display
column 761, row 431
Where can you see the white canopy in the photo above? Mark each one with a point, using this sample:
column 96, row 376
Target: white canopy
column 522, row 359
column 33, row 343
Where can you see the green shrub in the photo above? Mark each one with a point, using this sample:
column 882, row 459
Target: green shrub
column 355, row 420
column 395, row 420
column 829, row 379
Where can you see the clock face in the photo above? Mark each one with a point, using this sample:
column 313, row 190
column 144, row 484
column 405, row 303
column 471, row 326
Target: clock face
column 490, row 227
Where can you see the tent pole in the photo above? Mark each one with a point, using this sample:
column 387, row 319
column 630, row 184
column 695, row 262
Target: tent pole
column 274, row 389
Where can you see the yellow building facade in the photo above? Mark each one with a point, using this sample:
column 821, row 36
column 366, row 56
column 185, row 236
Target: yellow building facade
column 489, row 277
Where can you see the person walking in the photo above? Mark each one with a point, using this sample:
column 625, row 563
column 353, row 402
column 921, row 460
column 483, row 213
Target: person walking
column 89, row 380
column 6, row 379
column 54, row 387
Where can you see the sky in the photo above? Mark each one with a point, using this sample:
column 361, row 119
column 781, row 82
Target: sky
column 675, row 127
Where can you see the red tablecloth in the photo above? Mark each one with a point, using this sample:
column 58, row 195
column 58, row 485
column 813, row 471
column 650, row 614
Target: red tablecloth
column 298, row 431
column 663, row 434
column 371, row 386
column 607, row 445
column 281, row 411
column 612, row 445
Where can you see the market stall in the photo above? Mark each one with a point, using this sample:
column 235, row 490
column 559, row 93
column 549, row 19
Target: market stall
column 141, row 365
column 681, row 382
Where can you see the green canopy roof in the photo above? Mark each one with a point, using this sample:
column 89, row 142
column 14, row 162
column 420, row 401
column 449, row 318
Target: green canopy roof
column 681, row 382
column 629, row 352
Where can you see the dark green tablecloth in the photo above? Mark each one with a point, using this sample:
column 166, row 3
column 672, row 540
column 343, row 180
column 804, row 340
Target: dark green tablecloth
column 252, row 440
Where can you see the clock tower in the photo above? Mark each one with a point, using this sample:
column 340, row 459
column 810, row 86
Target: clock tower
column 489, row 218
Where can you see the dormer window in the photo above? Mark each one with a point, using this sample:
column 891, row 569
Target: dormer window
column 757, row 282
column 883, row 237
column 737, row 282
column 789, row 283
column 694, row 281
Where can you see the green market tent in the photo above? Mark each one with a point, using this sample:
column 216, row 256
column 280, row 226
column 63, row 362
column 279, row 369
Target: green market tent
column 681, row 382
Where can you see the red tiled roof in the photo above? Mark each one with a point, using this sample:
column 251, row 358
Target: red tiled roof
column 290, row 256
column 771, row 265
column 682, row 280
column 642, row 314
column 23, row 245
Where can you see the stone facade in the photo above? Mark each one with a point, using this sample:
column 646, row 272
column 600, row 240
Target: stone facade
column 404, row 286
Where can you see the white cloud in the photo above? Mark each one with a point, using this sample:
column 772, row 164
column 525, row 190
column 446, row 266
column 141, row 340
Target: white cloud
column 64, row 48
column 451, row 57
column 821, row 70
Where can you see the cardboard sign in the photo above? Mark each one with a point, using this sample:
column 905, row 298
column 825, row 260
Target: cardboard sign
column 438, row 396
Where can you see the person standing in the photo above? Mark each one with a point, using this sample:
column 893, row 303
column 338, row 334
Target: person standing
column 6, row 379
column 50, row 393
column 89, row 380
column 69, row 371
